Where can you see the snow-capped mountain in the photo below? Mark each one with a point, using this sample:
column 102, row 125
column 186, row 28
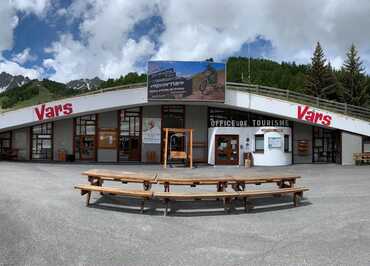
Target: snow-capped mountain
column 8, row 82
column 88, row 84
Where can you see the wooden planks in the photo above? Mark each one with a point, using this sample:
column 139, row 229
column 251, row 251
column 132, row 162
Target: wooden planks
column 116, row 191
column 131, row 177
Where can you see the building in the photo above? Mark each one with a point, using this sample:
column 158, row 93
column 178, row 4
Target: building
column 122, row 125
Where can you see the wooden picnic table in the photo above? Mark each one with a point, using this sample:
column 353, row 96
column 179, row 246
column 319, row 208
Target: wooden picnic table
column 237, row 183
column 98, row 176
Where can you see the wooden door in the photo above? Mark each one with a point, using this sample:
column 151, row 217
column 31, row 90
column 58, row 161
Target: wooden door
column 227, row 149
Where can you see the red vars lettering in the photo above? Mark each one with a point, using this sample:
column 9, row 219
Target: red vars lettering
column 304, row 113
column 48, row 112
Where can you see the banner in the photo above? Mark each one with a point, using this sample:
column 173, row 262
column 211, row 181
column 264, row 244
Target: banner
column 152, row 130
column 186, row 81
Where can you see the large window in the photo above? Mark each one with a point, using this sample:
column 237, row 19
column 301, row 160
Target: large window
column 85, row 138
column 259, row 143
column 366, row 144
column 5, row 142
column 130, row 135
column 42, row 142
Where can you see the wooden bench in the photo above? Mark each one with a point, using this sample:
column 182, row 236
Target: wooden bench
column 228, row 196
column 362, row 158
column 140, row 194
column 237, row 183
column 97, row 177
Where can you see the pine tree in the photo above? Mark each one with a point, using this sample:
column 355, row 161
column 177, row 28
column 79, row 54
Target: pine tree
column 353, row 79
column 320, row 80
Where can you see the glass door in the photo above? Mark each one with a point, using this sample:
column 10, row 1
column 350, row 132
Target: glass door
column 326, row 146
column 130, row 135
column 85, row 138
column 227, row 149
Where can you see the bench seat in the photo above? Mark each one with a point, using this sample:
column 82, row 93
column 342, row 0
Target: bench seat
column 141, row 194
column 228, row 196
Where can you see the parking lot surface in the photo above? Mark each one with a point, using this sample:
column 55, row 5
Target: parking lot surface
column 44, row 221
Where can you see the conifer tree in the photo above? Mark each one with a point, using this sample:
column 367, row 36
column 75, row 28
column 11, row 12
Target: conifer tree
column 353, row 79
column 320, row 80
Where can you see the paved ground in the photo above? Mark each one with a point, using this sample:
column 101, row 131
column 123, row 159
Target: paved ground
column 43, row 221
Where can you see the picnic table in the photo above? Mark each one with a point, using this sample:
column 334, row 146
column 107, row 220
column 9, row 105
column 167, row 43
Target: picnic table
column 96, row 178
column 237, row 183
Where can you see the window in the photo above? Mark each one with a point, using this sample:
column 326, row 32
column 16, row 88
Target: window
column 259, row 143
column 5, row 142
column 85, row 141
column 286, row 143
column 130, row 134
column 42, row 142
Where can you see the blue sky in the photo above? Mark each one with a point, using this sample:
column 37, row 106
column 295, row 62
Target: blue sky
column 64, row 39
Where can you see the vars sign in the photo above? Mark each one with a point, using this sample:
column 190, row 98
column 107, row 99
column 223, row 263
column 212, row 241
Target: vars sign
column 47, row 112
column 309, row 115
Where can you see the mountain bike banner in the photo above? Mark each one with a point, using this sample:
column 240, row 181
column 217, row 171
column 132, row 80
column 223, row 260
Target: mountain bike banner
column 186, row 81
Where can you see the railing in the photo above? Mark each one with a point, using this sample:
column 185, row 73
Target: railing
column 337, row 107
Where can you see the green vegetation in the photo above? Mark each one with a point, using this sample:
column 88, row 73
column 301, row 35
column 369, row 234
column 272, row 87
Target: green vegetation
column 35, row 92
column 352, row 76
column 320, row 79
column 267, row 72
column 130, row 78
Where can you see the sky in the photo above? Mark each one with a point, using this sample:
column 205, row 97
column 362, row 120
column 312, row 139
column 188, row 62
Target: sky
column 65, row 40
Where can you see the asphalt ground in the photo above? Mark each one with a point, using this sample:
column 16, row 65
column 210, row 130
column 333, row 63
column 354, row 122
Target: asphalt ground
column 44, row 221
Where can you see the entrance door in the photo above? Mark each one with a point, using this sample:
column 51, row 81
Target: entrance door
column 173, row 116
column 227, row 149
column 326, row 146
column 130, row 135
column 85, row 138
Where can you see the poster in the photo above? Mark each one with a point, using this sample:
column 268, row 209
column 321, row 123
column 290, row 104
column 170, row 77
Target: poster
column 274, row 142
column 186, row 81
column 152, row 130
column 107, row 138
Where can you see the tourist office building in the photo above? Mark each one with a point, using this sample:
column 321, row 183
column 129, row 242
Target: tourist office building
column 125, row 125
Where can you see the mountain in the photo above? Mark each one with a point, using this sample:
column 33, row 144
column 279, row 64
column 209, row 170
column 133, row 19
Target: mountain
column 35, row 92
column 85, row 84
column 8, row 82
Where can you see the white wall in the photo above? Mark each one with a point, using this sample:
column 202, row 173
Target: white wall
column 288, row 109
column 81, row 105
column 270, row 157
column 350, row 144
column 63, row 136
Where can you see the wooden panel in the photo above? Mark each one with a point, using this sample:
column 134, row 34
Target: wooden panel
column 116, row 191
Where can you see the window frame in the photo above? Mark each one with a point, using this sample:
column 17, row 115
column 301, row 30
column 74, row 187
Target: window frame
column 47, row 131
column 255, row 143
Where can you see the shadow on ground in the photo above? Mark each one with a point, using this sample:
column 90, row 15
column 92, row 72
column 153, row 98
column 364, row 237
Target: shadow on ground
column 193, row 208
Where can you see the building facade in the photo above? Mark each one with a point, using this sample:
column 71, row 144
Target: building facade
column 122, row 126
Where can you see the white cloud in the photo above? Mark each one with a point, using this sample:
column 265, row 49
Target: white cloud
column 15, row 69
column 196, row 30
column 24, row 56
column 105, row 49
column 8, row 22
column 38, row 7
column 193, row 30
column 202, row 29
